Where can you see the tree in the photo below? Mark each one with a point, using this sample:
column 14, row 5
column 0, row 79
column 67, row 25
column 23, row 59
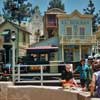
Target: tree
column 36, row 9
column 16, row 10
column 96, row 16
column 56, row 4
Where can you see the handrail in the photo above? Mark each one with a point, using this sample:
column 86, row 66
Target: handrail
column 78, row 36
column 78, row 39
column 18, row 75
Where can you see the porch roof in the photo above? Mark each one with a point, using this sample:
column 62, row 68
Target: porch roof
column 42, row 49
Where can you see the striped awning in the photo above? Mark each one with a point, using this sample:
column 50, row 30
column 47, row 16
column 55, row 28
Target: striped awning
column 42, row 49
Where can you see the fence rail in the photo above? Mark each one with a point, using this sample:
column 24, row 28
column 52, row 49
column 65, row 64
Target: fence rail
column 38, row 77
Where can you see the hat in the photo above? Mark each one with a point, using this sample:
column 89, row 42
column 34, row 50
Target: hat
column 90, row 57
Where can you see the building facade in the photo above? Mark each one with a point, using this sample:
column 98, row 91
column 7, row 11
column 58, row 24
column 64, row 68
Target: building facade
column 6, row 29
column 97, row 47
column 51, row 22
column 76, row 38
column 73, row 36
column 36, row 26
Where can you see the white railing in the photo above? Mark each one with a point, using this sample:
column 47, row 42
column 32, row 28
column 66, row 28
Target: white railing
column 18, row 74
column 73, row 39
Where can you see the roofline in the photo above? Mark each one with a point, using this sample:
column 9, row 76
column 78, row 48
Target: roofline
column 75, row 12
column 15, row 25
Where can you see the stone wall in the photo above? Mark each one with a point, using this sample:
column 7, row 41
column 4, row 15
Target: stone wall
column 4, row 90
column 34, row 93
column 10, row 92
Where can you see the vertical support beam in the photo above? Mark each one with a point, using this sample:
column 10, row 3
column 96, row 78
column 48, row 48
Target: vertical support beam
column 80, row 51
column 19, row 72
column 62, row 50
column 41, row 69
column 17, row 44
column 97, row 47
column 13, row 61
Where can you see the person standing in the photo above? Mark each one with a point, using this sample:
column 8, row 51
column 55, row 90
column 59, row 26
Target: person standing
column 83, row 70
column 89, row 72
column 95, row 85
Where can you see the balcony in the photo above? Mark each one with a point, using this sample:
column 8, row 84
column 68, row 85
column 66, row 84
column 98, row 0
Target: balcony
column 78, row 39
column 51, row 24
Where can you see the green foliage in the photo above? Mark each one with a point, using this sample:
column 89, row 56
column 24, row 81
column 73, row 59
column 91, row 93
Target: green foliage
column 16, row 10
column 36, row 9
column 96, row 16
column 56, row 4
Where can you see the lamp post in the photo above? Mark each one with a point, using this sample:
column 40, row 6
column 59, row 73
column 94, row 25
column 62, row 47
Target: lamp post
column 13, row 38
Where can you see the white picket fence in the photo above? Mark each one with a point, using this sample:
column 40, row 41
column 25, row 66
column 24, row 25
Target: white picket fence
column 37, row 77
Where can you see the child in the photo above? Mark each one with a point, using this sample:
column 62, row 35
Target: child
column 67, row 77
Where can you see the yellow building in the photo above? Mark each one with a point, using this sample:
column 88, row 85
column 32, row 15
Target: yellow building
column 22, row 39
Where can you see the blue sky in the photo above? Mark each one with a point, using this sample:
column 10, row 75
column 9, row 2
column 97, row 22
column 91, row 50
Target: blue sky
column 70, row 5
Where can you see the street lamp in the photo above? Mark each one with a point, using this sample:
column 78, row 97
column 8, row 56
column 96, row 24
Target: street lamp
column 13, row 38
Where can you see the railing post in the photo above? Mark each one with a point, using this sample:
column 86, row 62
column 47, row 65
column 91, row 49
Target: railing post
column 62, row 49
column 13, row 61
column 80, row 51
column 18, row 72
column 41, row 69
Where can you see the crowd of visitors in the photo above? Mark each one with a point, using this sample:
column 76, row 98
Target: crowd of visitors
column 89, row 76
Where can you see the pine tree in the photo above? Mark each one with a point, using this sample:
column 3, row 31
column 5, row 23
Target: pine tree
column 56, row 4
column 16, row 10
column 96, row 16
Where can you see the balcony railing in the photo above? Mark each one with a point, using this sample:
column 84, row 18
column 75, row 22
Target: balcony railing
column 51, row 24
column 77, row 39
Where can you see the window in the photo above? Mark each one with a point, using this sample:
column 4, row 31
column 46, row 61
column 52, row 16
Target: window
column 43, row 57
column 68, row 55
column 7, row 35
column 24, row 38
column 69, row 32
column 52, row 20
column 82, row 31
column 36, row 17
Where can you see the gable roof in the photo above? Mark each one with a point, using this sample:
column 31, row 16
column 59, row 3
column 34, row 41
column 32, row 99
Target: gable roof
column 16, row 26
column 75, row 13
column 54, row 11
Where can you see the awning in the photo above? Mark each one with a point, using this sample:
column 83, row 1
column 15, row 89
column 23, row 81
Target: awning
column 42, row 49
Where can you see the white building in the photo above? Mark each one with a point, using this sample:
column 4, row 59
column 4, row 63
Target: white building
column 36, row 25
column 1, row 19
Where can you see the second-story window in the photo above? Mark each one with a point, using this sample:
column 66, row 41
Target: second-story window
column 7, row 35
column 69, row 32
column 82, row 31
column 52, row 20
column 24, row 38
